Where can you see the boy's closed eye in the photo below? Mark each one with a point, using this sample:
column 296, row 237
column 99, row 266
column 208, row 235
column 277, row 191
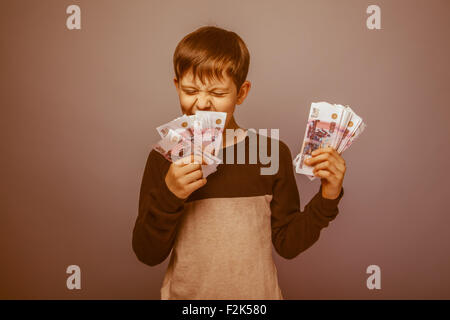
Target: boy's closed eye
column 217, row 94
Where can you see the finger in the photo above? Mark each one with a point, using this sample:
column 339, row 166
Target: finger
column 188, row 160
column 192, row 176
column 325, row 174
column 340, row 165
column 325, row 154
column 332, row 164
column 337, row 155
column 332, row 175
column 317, row 159
column 329, row 150
column 183, row 161
column 191, row 167
column 339, row 162
column 195, row 185
column 322, row 150
column 326, row 165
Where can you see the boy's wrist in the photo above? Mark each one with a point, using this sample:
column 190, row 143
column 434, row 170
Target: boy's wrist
column 330, row 204
column 169, row 202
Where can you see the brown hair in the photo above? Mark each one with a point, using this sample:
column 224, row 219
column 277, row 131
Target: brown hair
column 209, row 51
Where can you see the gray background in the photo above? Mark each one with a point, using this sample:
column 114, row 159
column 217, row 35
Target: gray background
column 78, row 116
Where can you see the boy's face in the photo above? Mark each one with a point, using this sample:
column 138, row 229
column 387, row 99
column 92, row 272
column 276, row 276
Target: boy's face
column 214, row 95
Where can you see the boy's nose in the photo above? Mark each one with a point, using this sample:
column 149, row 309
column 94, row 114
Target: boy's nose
column 203, row 104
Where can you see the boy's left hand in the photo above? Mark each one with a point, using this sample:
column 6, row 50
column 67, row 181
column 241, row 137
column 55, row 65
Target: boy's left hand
column 329, row 166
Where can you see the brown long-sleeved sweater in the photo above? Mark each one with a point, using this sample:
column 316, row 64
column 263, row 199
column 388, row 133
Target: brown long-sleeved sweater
column 221, row 236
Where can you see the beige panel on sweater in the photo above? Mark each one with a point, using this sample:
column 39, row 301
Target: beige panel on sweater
column 223, row 250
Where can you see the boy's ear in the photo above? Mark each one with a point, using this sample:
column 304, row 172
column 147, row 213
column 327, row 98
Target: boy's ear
column 175, row 81
column 243, row 92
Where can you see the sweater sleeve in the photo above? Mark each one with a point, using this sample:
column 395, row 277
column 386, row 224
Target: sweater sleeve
column 159, row 211
column 294, row 231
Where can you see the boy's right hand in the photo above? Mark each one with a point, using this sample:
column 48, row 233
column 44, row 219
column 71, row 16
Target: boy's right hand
column 184, row 176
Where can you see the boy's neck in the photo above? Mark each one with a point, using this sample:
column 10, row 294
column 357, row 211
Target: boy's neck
column 234, row 126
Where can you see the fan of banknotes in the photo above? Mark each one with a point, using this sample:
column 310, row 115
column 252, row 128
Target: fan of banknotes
column 328, row 125
column 199, row 134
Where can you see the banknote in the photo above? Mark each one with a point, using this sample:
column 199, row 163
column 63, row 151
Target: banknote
column 208, row 169
column 354, row 136
column 199, row 134
column 352, row 128
column 212, row 124
column 328, row 124
column 342, row 124
column 182, row 125
column 321, row 132
column 173, row 146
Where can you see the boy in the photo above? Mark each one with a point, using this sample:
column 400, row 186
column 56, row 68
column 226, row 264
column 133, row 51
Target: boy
column 221, row 232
